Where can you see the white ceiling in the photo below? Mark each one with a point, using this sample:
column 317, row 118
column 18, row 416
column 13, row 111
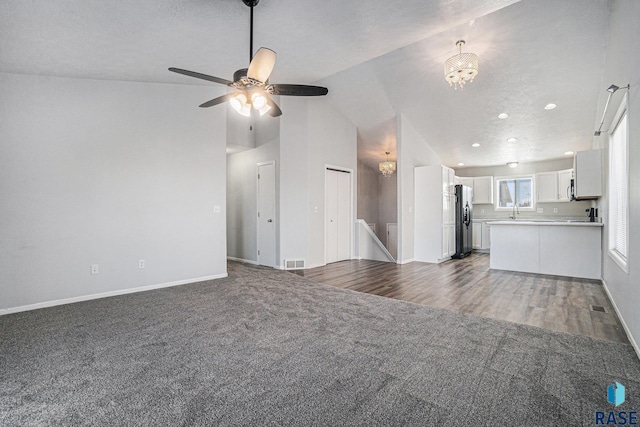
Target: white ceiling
column 378, row 58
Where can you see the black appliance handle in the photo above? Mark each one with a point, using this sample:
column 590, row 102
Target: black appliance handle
column 467, row 217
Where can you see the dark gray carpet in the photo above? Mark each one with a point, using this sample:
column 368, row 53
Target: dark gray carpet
column 265, row 347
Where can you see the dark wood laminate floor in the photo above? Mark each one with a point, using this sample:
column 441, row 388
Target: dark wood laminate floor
column 469, row 286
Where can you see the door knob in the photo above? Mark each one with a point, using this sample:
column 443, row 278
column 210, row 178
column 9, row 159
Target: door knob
column 269, row 220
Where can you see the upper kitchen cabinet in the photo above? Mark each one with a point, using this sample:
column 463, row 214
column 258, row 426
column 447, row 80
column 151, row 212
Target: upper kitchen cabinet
column 547, row 187
column 564, row 184
column 587, row 169
column 483, row 190
column 448, row 180
column 468, row 181
column 553, row 186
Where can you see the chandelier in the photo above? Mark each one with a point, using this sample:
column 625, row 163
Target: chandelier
column 460, row 68
column 387, row 167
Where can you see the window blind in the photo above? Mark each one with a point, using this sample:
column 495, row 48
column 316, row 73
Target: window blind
column 619, row 189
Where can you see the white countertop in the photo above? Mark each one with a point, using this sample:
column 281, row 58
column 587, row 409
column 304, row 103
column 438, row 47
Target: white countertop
column 549, row 223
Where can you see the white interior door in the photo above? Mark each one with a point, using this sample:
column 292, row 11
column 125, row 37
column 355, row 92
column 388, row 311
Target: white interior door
column 338, row 215
column 266, row 225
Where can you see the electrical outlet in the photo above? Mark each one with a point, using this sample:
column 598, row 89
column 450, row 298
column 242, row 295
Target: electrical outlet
column 216, row 209
column 95, row 269
column 555, row 210
column 141, row 263
column 315, row 209
column 540, row 210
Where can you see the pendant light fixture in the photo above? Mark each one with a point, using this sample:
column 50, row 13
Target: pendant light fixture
column 460, row 68
column 387, row 167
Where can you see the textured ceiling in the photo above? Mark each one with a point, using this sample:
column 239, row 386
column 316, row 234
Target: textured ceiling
column 379, row 58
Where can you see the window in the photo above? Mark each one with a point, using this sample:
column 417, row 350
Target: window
column 619, row 187
column 515, row 192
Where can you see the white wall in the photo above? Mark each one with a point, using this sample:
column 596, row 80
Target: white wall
column 387, row 204
column 332, row 141
column 294, row 179
column 413, row 151
column 621, row 68
column 368, row 194
column 105, row 172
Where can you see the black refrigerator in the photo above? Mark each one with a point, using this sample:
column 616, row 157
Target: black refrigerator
column 464, row 213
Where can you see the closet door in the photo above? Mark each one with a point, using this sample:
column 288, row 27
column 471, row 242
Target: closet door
column 338, row 215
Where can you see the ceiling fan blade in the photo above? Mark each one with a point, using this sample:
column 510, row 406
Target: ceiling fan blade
column 298, row 90
column 201, row 76
column 218, row 100
column 262, row 64
column 275, row 111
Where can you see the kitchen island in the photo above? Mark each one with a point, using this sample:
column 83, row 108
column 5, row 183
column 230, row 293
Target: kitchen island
column 563, row 248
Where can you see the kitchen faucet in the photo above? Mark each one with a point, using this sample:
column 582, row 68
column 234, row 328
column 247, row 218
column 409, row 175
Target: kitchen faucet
column 514, row 211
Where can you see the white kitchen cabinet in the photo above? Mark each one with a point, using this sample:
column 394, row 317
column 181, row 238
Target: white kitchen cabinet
column 476, row 235
column 448, row 208
column 434, row 226
column 448, row 179
column 552, row 186
column 546, row 185
column 481, row 235
column 448, row 241
column 468, row 181
column 486, row 235
column 483, row 190
column 564, row 182
column 587, row 170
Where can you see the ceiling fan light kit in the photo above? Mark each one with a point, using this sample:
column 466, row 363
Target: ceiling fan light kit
column 252, row 90
column 460, row 68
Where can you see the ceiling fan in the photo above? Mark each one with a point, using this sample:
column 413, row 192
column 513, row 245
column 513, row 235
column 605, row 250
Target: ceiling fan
column 252, row 88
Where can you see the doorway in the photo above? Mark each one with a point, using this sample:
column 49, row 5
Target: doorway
column 266, row 224
column 338, row 215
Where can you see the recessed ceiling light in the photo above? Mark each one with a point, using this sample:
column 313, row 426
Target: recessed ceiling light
column 503, row 115
column 550, row 106
column 460, row 164
column 475, row 144
column 512, row 139
column 512, row 164
column 568, row 153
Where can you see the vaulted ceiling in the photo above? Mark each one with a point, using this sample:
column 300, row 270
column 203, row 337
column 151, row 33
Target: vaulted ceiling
column 378, row 58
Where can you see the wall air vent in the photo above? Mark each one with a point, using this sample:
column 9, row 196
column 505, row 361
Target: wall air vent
column 293, row 264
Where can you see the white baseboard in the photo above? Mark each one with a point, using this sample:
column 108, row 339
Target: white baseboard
column 53, row 303
column 405, row 261
column 246, row 261
column 633, row 342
